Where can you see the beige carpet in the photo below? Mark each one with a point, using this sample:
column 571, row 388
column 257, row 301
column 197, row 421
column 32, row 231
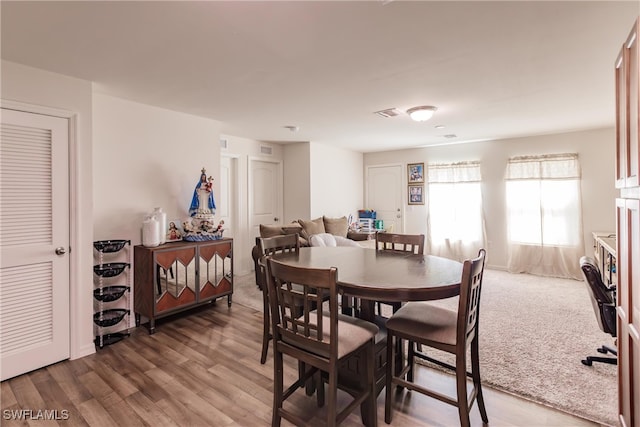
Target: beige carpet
column 533, row 333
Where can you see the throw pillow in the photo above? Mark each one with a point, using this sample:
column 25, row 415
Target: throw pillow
column 310, row 228
column 343, row 241
column 270, row 230
column 336, row 226
column 323, row 239
column 292, row 228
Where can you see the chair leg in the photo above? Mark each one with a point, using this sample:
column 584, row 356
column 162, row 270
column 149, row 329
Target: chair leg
column 278, row 388
column 332, row 409
column 388, row 403
column 608, row 360
column 606, row 349
column 475, row 374
column 266, row 331
column 369, row 406
column 461, row 388
column 411, row 359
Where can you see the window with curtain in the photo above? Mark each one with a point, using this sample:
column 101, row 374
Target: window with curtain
column 544, row 215
column 456, row 221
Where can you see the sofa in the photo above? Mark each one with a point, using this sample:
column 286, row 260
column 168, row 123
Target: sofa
column 320, row 227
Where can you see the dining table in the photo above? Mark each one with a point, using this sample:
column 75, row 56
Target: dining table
column 374, row 275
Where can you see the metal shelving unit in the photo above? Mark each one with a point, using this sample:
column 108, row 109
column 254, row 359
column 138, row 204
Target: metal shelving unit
column 112, row 290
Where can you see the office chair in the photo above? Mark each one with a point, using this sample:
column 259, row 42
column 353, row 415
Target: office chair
column 603, row 300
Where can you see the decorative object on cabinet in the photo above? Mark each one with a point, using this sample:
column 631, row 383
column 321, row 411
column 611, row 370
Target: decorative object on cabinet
column 179, row 276
column 111, row 290
column 174, row 231
column 202, row 227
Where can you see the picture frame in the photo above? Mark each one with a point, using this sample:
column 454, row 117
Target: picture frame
column 415, row 173
column 415, row 194
column 174, row 231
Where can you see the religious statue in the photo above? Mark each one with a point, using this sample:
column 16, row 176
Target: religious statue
column 202, row 210
column 202, row 200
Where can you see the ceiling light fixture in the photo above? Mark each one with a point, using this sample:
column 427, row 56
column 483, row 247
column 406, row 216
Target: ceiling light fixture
column 421, row 114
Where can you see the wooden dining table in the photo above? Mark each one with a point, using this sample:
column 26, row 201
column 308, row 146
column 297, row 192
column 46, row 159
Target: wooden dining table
column 372, row 275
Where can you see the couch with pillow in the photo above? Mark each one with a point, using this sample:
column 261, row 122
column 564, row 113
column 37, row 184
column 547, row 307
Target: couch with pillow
column 327, row 232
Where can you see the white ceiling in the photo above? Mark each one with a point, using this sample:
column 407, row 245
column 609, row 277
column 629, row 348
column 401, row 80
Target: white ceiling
column 494, row 69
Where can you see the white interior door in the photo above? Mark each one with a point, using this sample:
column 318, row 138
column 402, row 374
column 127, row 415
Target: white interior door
column 265, row 194
column 34, row 241
column 385, row 195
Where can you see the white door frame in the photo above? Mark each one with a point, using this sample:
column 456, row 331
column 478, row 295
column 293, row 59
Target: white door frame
column 77, row 319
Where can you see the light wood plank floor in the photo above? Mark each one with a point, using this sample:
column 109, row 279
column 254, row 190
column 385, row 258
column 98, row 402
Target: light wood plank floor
column 203, row 369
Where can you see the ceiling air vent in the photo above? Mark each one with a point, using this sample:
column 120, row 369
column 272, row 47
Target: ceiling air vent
column 223, row 144
column 266, row 150
column 390, row 112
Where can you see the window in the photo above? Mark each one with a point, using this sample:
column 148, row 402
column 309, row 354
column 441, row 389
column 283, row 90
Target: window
column 544, row 215
column 456, row 222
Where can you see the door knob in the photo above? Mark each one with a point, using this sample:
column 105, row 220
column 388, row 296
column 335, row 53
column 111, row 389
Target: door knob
column 276, row 219
column 60, row 250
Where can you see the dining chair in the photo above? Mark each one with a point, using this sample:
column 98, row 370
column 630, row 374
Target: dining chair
column 288, row 243
column 450, row 331
column 398, row 243
column 321, row 338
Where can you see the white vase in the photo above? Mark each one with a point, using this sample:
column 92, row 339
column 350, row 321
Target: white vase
column 150, row 231
column 161, row 216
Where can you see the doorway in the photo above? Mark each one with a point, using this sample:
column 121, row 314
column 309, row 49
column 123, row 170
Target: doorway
column 34, row 241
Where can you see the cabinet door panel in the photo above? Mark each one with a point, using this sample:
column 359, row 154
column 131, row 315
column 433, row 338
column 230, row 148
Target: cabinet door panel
column 215, row 270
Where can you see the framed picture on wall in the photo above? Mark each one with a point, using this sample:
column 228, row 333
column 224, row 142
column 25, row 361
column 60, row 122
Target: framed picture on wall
column 415, row 173
column 416, row 194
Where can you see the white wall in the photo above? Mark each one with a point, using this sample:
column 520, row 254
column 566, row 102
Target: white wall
column 297, row 183
column 243, row 149
column 337, row 182
column 596, row 149
column 38, row 87
column 146, row 157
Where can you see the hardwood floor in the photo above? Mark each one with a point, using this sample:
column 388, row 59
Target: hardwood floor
column 203, row 369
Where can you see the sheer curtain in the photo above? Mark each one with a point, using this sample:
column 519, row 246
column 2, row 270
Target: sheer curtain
column 544, row 215
column 456, row 221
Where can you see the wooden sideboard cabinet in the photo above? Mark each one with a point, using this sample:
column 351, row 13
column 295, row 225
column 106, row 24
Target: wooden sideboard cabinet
column 177, row 276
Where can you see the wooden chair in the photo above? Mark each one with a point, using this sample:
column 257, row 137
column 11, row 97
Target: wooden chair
column 320, row 338
column 400, row 243
column 268, row 246
column 446, row 330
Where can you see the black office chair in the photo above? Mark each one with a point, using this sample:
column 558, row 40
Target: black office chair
column 603, row 299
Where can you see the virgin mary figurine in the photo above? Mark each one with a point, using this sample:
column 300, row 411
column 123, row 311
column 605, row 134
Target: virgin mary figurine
column 202, row 201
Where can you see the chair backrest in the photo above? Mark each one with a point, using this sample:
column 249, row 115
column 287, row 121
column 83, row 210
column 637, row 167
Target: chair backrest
column 603, row 298
column 279, row 244
column 413, row 243
column 314, row 331
column 469, row 304
column 272, row 245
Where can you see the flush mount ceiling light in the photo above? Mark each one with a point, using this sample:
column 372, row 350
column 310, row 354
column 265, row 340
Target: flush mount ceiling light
column 421, row 114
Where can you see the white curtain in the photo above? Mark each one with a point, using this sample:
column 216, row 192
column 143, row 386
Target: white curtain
column 544, row 215
column 456, row 221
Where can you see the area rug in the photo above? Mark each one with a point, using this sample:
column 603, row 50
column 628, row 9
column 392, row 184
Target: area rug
column 533, row 333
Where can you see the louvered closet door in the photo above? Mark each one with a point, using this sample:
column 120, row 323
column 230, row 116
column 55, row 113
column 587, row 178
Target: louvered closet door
column 34, row 222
